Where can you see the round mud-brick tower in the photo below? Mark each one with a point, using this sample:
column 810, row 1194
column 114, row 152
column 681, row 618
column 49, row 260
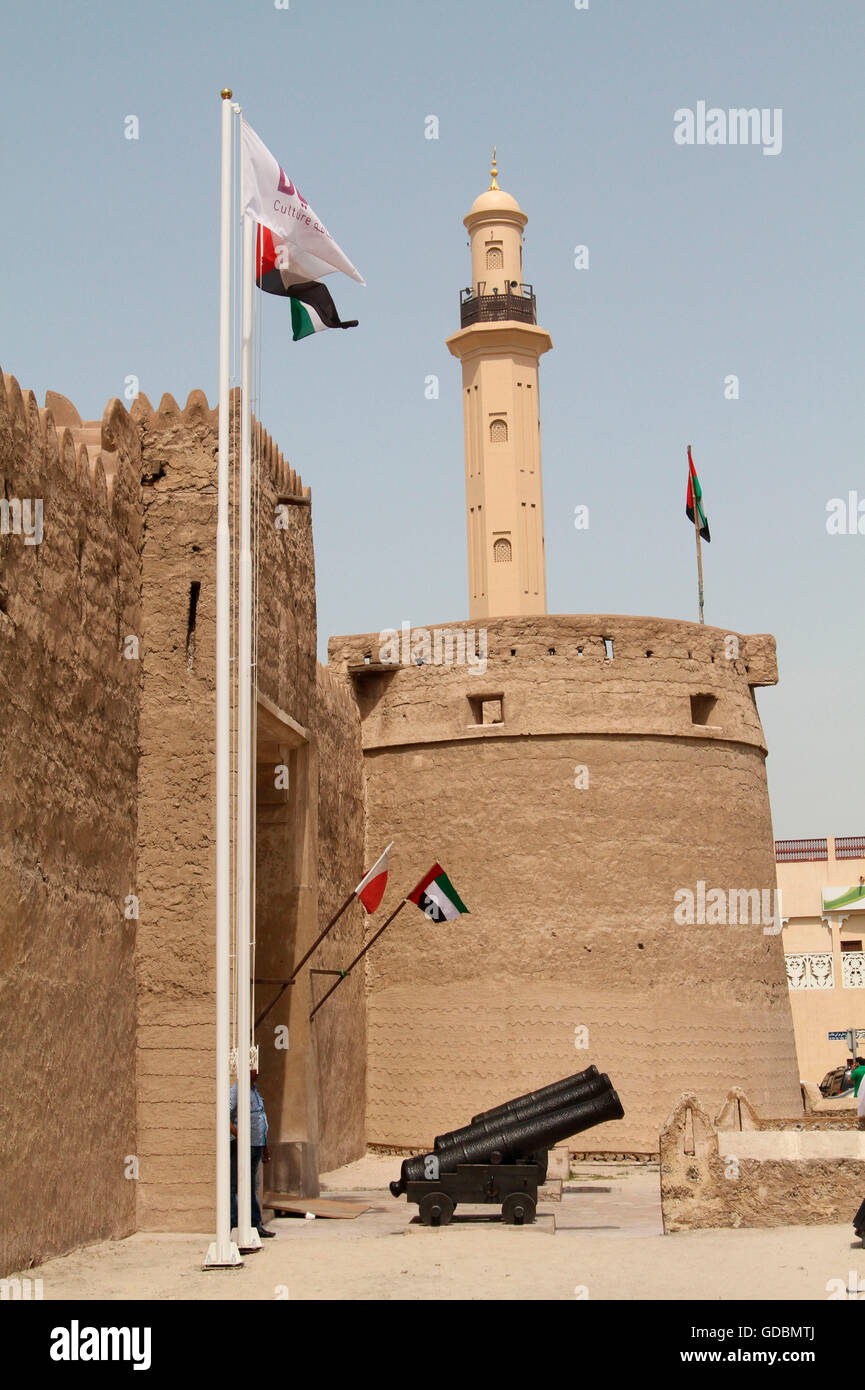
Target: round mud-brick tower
column 577, row 777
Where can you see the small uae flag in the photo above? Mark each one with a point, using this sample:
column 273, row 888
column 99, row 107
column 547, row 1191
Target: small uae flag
column 371, row 888
column 436, row 896
column 694, row 498
column 312, row 308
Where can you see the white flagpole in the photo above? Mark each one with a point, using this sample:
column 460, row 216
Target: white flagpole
column 223, row 1251
column 247, row 1237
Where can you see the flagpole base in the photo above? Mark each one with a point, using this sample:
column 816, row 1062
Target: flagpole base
column 222, row 1257
column 248, row 1241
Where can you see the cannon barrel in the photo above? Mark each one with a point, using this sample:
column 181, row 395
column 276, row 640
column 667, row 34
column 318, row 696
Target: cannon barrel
column 533, row 1096
column 525, row 1108
column 515, row 1139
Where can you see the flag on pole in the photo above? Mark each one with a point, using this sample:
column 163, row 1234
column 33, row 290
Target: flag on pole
column 436, row 896
column 312, row 308
column 694, row 498
column 371, row 888
column 273, row 200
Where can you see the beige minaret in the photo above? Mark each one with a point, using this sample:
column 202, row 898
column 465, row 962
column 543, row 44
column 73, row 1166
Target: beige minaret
column 499, row 344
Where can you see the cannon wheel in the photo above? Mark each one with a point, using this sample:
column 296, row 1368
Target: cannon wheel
column 436, row 1209
column 518, row 1209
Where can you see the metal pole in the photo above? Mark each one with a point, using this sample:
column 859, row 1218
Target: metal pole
column 301, row 963
column 696, row 503
column 699, row 555
column 247, row 1237
column 358, row 957
column 222, row 1251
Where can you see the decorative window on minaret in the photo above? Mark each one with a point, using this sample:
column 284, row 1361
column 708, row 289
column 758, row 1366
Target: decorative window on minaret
column 502, row 551
column 499, row 432
column 495, row 259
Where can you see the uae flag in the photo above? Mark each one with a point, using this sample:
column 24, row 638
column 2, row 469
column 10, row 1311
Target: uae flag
column 312, row 308
column 436, row 896
column 694, row 499
column 371, row 888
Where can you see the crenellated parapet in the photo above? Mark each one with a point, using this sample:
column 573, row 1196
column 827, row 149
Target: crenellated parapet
column 168, row 423
column 106, row 459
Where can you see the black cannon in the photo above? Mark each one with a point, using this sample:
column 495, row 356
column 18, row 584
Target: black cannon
column 501, row 1157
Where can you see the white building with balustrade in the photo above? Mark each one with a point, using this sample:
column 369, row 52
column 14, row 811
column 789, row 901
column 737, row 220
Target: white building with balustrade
column 822, row 883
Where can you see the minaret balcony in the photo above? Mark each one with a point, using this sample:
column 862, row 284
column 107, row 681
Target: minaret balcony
column 478, row 307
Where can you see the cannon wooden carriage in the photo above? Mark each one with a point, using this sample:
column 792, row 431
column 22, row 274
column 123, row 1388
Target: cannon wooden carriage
column 501, row 1157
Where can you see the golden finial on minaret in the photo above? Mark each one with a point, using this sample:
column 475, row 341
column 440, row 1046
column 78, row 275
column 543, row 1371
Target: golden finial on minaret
column 494, row 172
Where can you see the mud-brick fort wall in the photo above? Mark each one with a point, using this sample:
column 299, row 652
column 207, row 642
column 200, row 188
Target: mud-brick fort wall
column 107, row 781
column 598, row 765
column 304, row 860
column 68, row 764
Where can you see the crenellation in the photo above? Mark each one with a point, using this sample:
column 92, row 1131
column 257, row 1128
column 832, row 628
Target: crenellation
column 141, row 411
column 168, row 405
column 34, row 423
column 198, row 409
column 62, row 409
column 15, row 403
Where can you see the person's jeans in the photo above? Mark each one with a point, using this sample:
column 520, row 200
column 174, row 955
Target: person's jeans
column 256, row 1150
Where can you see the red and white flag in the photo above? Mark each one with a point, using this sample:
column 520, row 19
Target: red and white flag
column 371, row 888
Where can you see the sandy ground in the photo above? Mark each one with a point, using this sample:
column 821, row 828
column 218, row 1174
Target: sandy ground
column 601, row 1243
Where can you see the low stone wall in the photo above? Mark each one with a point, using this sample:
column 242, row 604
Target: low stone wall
column 744, row 1170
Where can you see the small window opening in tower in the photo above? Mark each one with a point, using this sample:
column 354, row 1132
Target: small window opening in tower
column 502, row 553
column 495, row 259
column 702, row 707
column 608, row 648
column 487, row 709
column 499, row 432
column 194, row 591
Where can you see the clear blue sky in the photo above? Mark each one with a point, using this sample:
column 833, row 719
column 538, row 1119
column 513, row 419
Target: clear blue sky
column 704, row 261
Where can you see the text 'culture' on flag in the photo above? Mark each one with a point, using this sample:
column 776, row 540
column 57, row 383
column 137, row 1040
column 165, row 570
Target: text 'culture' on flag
column 273, row 200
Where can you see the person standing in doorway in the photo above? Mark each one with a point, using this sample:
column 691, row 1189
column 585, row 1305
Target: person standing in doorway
column 258, row 1150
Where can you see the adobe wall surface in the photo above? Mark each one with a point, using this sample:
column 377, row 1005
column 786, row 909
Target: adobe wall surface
column 340, row 1024
column 741, row 1170
column 571, row 889
column 176, row 869
column 68, row 756
column 176, row 980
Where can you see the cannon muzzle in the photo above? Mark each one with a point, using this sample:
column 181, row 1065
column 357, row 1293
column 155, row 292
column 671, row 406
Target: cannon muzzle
column 527, row 1107
column 534, row 1096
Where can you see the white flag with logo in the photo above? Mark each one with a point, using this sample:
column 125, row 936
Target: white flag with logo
column 308, row 250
